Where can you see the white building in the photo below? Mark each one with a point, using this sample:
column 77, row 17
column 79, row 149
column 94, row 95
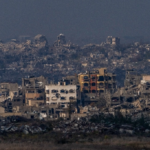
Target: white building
column 60, row 94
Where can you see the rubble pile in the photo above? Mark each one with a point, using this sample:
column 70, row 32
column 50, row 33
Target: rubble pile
column 89, row 109
column 24, row 129
column 16, row 124
column 89, row 125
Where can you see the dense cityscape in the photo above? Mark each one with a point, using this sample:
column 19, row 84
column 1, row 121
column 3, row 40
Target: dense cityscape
column 77, row 92
column 74, row 75
column 36, row 57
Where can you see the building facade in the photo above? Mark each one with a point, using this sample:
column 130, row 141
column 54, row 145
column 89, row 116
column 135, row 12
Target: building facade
column 61, row 94
column 34, row 90
column 97, row 81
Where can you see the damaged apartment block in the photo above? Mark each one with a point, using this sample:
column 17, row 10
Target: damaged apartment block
column 94, row 84
column 134, row 98
column 131, row 86
column 34, row 90
column 145, row 90
column 8, row 90
column 127, row 94
column 11, row 96
column 61, row 93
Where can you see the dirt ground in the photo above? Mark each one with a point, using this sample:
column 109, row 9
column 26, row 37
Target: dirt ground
column 124, row 143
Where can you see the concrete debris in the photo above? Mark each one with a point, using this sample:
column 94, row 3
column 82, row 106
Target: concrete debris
column 24, row 129
column 13, row 124
column 84, row 125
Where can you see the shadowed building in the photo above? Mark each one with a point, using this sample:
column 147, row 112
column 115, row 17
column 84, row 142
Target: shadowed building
column 61, row 40
column 8, row 90
column 34, row 90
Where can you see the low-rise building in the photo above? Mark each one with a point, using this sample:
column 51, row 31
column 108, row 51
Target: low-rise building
column 33, row 90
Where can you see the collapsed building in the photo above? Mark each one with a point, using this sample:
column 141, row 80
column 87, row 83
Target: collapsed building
column 61, row 40
column 40, row 40
column 145, row 89
column 8, row 90
column 34, row 90
column 40, row 112
column 134, row 98
column 10, row 96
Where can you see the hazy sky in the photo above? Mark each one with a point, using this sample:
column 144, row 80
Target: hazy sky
column 79, row 18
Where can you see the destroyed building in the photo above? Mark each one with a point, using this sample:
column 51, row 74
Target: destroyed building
column 40, row 112
column 114, row 98
column 115, row 41
column 11, row 97
column 73, row 80
column 40, row 39
column 8, row 90
column 109, row 40
column 133, row 99
column 130, row 92
column 34, row 90
column 39, row 99
column 145, row 89
column 61, row 40
column 132, row 78
column 14, row 105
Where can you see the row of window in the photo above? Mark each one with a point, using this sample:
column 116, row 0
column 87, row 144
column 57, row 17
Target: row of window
column 61, row 91
column 93, row 91
column 35, row 91
column 61, row 98
column 16, row 100
column 100, row 78
column 101, row 85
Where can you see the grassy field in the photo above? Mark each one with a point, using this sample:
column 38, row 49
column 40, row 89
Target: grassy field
column 123, row 143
